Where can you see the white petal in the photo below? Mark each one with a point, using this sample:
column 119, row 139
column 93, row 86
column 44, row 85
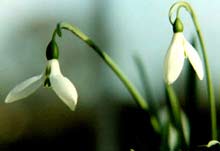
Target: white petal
column 54, row 67
column 194, row 59
column 65, row 90
column 24, row 89
column 174, row 59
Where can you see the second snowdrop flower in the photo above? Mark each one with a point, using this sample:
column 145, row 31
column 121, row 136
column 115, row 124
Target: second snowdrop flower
column 178, row 50
column 51, row 77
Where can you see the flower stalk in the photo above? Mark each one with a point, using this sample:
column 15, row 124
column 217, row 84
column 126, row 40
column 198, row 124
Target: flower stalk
column 177, row 6
column 133, row 91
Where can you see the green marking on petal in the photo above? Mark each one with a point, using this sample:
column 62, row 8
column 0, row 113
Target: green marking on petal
column 47, row 82
column 48, row 71
column 185, row 54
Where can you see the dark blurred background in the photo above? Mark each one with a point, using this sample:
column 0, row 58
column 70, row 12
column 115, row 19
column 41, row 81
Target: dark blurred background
column 106, row 117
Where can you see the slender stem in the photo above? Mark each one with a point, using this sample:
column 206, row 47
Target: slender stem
column 133, row 91
column 210, row 90
column 175, row 114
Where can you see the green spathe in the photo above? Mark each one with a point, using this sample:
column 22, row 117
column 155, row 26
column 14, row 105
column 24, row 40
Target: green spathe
column 177, row 26
column 52, row 51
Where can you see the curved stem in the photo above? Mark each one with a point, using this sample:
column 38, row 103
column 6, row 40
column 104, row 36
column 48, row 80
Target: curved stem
column 210, row 90
column 133, row 91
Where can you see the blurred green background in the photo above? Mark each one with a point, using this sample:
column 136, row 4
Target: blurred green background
column 123, row 29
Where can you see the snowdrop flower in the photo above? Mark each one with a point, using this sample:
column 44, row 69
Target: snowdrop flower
column 51, row 77
column 178, row 50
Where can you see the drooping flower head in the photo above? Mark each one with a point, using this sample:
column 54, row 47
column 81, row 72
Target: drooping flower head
column 51, row 77
column 178, row 50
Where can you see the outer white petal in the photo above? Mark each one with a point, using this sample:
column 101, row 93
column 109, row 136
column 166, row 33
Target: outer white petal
column 65, row 90
column 194, row 59
column 24, row 89
column 174, row 59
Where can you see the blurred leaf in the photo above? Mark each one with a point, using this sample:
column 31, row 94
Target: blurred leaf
column 148, row 91
column 144, row 78
column 173, row 138
column 213, row 145
column 185, row 127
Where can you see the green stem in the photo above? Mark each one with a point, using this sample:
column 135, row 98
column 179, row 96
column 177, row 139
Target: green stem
column 175, row 114
column 133, row 91
column 210, row 90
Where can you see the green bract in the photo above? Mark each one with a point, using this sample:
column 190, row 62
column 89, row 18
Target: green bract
column 52, row 51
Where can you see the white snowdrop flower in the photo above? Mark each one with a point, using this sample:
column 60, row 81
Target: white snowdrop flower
column 178, row 50
column 51, row 77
